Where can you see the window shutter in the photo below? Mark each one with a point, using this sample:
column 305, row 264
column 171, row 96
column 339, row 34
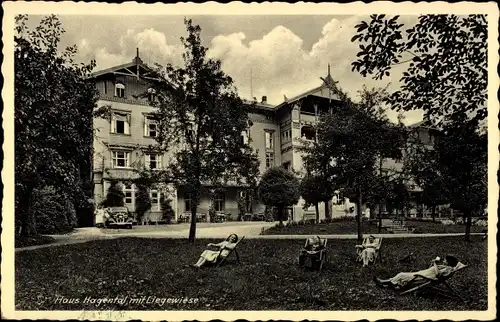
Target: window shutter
column 146, row 125
column 127, row 124
column 113, row 123
column 148, row 160
column 112, row 159
column 159, row 157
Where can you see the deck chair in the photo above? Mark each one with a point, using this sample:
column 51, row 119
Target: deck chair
column 420, row 283
column 378, row 255
column 318, row 257
column 234, row 250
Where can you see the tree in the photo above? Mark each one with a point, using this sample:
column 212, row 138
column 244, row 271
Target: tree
column 446, row 78
column 314, row 190
column 54, row 100
column 422, row 164
column 349, row 143
column 463, row 152
column 142, row 202
column 447, row 63
column 201, row 120
column 115, row 196
column 279, row 188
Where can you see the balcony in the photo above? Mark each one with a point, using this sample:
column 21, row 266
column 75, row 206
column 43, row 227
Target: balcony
column 125, row 100
column 120, row 173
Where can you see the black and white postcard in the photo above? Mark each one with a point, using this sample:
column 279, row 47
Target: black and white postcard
column 250, row 161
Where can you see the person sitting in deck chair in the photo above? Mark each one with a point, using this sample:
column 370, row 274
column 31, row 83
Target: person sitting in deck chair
column 212, row 256
column 369, row 250
column 436, row 269
column 313, row 249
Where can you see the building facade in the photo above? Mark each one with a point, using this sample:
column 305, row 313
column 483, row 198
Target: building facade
column 121, row 142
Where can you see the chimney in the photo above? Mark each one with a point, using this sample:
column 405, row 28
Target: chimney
column 264, row 99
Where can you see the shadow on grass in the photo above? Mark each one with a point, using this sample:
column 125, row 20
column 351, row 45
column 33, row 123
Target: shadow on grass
column 267, row 279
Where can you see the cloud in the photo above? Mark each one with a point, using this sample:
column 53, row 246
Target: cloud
column 277, row 61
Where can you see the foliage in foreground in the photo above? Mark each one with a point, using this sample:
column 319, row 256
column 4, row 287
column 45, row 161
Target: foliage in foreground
column 54, row 101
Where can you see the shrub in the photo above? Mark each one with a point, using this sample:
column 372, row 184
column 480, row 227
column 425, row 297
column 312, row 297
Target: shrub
column 53, row 211
column 167, row 210
column 114, row 197
column 142, row 202
column 279, row 188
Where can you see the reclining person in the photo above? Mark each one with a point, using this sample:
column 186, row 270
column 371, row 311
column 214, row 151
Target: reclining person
column 437, row 268
column 212, row 256
column 369, row 250
column 313, row 248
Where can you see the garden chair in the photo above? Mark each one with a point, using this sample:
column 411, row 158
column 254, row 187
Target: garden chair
column 317, row 257
column 378, row 255
column 421, row 283
column 234, row 250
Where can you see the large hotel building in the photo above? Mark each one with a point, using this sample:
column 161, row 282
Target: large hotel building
column 121, row 141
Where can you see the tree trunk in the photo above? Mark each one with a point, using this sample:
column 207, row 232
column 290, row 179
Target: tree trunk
column 192, row 227
column 379, row 218
column 328, row 210
column 28, row 224
column 358, row 214
column 317, row 212
column 280, row 215
column 468, row 223
column 433, row 213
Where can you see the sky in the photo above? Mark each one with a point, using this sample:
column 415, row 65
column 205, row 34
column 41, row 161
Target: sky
column 271, row 55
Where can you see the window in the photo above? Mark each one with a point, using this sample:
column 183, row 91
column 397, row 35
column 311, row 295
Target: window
column 187, row 202
column 120, row 159
column 287, row 165
column 269, row 159
column 120, row 123
column 153, row 161
column 128, row 191
column 219, row 202
column 119, row 90
column 151, row 94
column 269, row 140
column 150, row 127
column 155, row 197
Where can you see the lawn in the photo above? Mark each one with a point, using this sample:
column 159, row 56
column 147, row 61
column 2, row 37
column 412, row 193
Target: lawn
column 349, row 226
column 33, row 241
column 267, row 279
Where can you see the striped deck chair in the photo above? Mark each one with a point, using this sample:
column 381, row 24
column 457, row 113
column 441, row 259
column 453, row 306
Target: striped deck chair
column 378, row 256
column 317, row 258
column 421, row 283
column 222, row 259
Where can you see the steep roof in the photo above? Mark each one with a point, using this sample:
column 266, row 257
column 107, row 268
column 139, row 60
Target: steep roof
column 135, row 68
column 321, row 91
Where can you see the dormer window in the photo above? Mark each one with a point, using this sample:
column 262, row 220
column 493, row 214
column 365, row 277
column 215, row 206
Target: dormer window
column 119, row 90
column 151, row 94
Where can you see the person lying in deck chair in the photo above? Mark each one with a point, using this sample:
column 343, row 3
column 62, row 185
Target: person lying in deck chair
column 436, row 269
column 224, row 249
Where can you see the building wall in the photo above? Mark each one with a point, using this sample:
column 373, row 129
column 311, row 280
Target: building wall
column 286, row 129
